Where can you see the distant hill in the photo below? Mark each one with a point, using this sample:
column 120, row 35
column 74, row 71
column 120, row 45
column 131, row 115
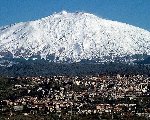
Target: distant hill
column 73, row 37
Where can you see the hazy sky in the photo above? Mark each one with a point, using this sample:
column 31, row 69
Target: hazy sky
column 134, row 12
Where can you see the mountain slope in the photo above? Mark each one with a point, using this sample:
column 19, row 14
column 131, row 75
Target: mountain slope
column 73, row 36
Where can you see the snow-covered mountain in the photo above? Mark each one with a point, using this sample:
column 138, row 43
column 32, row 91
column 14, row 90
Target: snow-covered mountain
column 73, row 36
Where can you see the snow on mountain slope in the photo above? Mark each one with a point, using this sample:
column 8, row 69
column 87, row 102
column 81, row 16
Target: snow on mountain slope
column 73, row 36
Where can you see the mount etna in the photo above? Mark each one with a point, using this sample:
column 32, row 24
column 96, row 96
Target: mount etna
column 73, row 43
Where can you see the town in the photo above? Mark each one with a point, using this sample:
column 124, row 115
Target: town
column 77, row 97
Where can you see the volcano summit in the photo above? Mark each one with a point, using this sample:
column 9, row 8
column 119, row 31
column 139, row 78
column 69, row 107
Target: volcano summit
column 72, row 37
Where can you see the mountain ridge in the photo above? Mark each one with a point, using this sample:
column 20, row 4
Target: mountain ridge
column 73, row 36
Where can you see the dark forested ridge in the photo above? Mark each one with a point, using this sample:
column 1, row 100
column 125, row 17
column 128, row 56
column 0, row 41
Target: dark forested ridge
column 22, row 67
